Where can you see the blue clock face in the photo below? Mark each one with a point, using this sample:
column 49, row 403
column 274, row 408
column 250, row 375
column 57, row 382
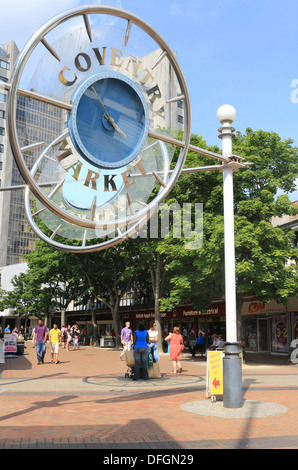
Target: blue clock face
column 109, row 121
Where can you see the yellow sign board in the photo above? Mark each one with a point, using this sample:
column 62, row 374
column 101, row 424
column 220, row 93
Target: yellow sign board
column 216, row 375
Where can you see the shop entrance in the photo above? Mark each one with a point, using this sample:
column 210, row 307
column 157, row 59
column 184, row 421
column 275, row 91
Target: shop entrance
column 263, row 337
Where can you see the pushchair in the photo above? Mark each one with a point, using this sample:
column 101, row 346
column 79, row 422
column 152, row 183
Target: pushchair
column 130, row 361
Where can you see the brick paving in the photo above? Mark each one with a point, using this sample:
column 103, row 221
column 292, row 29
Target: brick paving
column 85, row 402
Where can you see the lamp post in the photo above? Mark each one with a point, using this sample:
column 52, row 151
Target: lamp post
column 232, row 371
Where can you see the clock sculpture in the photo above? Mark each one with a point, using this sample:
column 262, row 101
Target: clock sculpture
column 121, row 101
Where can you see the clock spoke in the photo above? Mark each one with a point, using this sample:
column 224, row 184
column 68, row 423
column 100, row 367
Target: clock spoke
column 55, row 232
column 177, row 98
column 127, row 33
column 158, row 178
column 160, row 58
column 87, row 26
column 93, row 208
column 50, row 49
column 39, row 97
column 51, row 195
column 31, row 146
column 130, row 204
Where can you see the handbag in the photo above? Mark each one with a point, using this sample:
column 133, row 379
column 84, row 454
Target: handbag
column 154, row 371
column 130, row 358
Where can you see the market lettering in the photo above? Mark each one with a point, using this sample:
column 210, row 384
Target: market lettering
column 93, row 176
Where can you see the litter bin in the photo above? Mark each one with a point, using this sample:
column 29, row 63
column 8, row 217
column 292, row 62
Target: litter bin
column 20, row 347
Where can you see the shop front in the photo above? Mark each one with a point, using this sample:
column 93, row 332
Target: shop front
column 269, row 327
column 185, row 317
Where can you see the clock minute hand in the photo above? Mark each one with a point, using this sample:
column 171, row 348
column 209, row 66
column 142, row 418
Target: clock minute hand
column 101, row 103
column 107, row 116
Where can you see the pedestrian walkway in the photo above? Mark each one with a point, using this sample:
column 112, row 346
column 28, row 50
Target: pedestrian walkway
column 86, row 402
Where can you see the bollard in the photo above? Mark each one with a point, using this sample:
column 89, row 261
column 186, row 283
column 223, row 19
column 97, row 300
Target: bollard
column 232, row 377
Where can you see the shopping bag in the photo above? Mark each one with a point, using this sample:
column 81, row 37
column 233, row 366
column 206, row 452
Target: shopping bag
column 130, row 358
column 149, row 360
column 154, row 371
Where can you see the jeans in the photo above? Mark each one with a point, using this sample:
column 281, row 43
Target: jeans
column 40, row 350
column 141, row 355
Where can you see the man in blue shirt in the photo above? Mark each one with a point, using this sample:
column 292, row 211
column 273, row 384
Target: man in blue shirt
column 7, row 329
column 200, row 346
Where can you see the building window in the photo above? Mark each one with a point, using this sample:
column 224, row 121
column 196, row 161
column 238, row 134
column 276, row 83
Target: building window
column 180, row 119
column 1, row 148
column 2, row 97
column 3, row 79
column 180, row 104
column 2, row 131
column 4, row 64
column 2, row 114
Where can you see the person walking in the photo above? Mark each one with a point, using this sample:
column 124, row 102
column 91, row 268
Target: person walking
column 126, row 339
column 141, row 340
column 176, row 346
column 68, row 336
column 39, row 341
column 63, row 336
column 153, row 340
column 200, row 344
column 55, row 341
column 75, row 336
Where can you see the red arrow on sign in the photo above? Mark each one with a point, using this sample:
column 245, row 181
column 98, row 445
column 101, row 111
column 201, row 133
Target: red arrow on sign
column 216, row 383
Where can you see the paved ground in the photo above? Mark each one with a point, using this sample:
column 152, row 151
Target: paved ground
column 85, row 402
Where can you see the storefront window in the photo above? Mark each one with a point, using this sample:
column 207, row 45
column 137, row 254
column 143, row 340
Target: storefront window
column 250, row 334
column 296, row 327
column 280, row 334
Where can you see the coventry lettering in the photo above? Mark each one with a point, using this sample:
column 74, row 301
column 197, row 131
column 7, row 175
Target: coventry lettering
column 83, row 62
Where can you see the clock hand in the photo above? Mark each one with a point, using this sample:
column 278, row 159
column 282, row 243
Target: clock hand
column 107, row 116
column 112, row 122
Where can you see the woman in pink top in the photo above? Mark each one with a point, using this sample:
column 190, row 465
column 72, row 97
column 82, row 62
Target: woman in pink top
column 176, row 346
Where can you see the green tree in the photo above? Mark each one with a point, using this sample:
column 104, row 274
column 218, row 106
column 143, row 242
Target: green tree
column 262, row 251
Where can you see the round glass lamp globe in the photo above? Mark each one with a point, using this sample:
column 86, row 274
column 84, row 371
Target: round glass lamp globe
column 226, row 113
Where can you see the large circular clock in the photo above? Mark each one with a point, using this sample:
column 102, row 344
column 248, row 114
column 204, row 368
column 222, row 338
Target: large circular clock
column 109, row 121
column 97, row 108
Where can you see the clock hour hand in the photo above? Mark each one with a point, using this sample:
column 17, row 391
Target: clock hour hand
column 107, row 116
column 112, row 122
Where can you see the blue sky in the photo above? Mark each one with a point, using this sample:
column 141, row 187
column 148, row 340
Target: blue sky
column 240, row 52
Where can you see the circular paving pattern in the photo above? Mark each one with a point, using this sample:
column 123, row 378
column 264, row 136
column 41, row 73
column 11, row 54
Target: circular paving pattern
column 127, row 383
column 250, row 409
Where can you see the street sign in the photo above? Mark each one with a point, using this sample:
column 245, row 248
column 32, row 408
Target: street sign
column 214, row 382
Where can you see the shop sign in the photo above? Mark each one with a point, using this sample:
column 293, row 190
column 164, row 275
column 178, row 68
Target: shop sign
column 280, row 334
column 215, row 372
column 255, row 306
column 10, row 343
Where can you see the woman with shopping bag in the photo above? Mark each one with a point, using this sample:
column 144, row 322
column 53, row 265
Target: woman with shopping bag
column 176, row 346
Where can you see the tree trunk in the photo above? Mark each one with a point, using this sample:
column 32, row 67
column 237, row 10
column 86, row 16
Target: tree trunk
column 94, row 323
column 156, row 280
column 63, row 311
column 115, row 308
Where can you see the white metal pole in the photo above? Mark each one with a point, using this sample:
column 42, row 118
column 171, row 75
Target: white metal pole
column 226, row 114
column 232, row 373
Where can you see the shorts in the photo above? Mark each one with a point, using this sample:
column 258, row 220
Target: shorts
column 54, row 348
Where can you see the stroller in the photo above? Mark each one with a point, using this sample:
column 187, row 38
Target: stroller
column 130, row 360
